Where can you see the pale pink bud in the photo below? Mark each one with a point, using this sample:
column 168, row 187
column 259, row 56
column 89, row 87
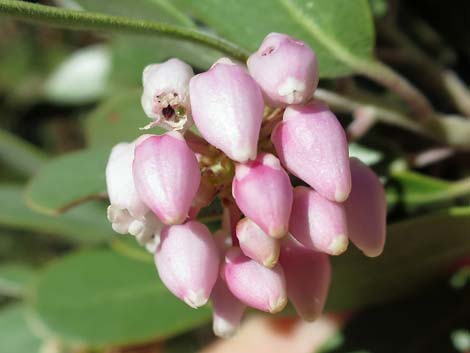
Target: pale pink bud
column 255, row 285
column 366, row 210
column 166, row 94
column 120, row 183
column 167, row 176
column 263, row 192
column 286, row 70
column 228, row 107
column 227, row 310
column 256, row 244
column 312, row 145
column 187, row 261
column 308, row 276
column 318, row 223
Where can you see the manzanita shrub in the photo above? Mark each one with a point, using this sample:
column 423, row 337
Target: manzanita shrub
column 250, row 153
column 258, row 129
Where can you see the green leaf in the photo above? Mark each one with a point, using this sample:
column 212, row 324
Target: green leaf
column 14, row 279
column 132, row 53
column 340, row 31
column 68, row 180
column 366, row 155
column 15, row 334
column 411, row 190
column 417, row 251
column 100, row 298
column 81, row 78
column 116, row 120
column 85, row 223
column 19, row 155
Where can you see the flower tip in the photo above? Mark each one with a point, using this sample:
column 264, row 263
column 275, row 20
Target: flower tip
column 174, row 220
column 278, row 305
column 372, row 252
column 278, row 232
column 309, row 317
column 195, row 299
column 271, row 261
column 341, row 196
column 339, row 245
column 222, row 328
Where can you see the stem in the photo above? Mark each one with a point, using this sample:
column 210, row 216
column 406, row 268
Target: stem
column 81, row 20
column 452, row 131
column 383, row 74
column 441, row 78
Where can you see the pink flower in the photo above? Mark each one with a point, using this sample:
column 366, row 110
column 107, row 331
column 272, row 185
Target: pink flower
column 256, row 244
column 166, row 175
column 187, row 261
column 254, row 284
column 366, row 210
column 318, row 223
column 263, row 192
column 127, row 212
column 166, row 94
column 286, row 70
column 120, row 182
column 228, row 108
column 312, row 145
column 308, row 276
column 227, row 310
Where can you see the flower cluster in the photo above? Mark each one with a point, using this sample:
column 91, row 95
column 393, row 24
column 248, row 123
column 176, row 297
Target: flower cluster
column 255, row 126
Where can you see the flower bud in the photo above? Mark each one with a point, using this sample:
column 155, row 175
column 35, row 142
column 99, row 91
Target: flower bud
column 263, row 192
column 366, row 210
column 166, row 94
column 127, row 213
column 227, row 310
column 187, row 261
column 286, row 70
column 166, row 175
column 312, row 145
column 228, row 107
column 308, row 276
column 120, row 184
column 318, row 223
column 254, row 284
column 256, row 244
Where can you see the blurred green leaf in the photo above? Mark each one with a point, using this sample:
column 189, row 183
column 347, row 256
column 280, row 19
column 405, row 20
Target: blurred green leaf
column 410, row 190
column 14, row 279
column 417, row 250
column 19, row 155
column 366, row 155
column 461, row 278
column 461, row 340
column 340, row 31
column 80, row 78
column 68, row 180
column 100, row 298
column 379, row 7
column 15, row 334
column 85, row 223
column 116, row 120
